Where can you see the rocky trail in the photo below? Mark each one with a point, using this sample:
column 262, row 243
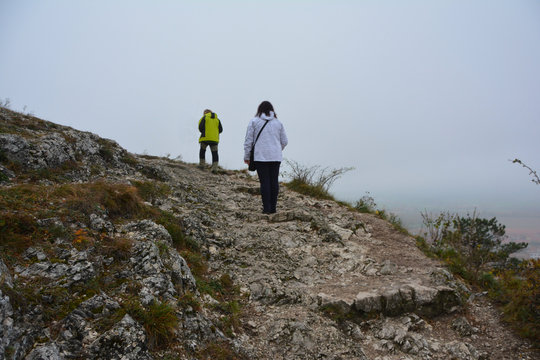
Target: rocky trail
column 327, row 282
column 316, row 280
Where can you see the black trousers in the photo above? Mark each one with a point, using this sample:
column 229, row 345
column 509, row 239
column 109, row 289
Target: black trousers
column 268, row 177
column 213, row 148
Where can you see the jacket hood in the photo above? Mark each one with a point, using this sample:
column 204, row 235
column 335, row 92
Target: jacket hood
column 268, row 117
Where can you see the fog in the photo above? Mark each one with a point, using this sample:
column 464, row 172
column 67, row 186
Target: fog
column 427, row 100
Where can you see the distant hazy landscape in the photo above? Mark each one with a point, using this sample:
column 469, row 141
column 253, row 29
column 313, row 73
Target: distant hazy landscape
column 522, row 218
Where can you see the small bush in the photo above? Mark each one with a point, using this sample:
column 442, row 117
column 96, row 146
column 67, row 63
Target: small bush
column 106, row 151
column 520, row 294
column 160, row 322
column 366, row 204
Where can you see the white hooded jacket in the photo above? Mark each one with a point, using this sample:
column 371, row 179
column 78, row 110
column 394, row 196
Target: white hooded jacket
column 271, row 141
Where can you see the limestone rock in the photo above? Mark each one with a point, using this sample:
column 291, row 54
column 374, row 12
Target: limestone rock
column 45, row 352
column 125, row 341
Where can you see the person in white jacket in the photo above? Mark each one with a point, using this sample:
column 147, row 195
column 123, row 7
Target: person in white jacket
column 267, row 155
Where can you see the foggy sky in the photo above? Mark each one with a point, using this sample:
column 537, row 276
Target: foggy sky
column 428, row 100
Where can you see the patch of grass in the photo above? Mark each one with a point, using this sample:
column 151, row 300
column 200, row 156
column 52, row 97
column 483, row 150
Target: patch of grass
column 3, row 177
column 219, row 351
column 130, row 160
column 314, row 191
column 392, row 219
column 59, row 174
column 22, row 205
column 17, row 231
column 151, row 190
column 158, row 319
column 188, row 300
column 180, row 240
column 230, row 321
column 119, row 200
column 196, row 263
column 117, row 248
column 57, row 302
column 519, row 293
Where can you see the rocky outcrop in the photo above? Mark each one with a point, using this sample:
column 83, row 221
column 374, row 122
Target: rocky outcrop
column 315, row 280
column 125, row 341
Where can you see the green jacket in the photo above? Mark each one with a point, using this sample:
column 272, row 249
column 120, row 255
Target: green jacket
column 210, row 128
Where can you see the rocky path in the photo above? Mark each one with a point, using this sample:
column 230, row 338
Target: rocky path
column 324, row 282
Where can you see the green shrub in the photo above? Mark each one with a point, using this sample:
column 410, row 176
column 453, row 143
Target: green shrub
column 469, row 244
column 106, row 150
column 366, row 204
column 473, row 248
column 520, row 294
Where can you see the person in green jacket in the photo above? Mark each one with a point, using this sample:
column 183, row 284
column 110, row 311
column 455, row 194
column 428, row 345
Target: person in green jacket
column 210, row 128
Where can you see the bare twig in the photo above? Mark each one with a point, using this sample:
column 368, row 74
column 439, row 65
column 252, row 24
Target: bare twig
column 535, row 179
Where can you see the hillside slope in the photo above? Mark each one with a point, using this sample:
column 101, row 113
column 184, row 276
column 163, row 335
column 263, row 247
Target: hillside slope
column 107, row 254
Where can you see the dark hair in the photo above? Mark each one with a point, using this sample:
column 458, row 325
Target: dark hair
column 265, row 108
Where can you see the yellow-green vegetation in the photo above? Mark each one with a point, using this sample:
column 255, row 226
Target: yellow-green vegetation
column 23, row 205
column 158, row 319
column 219, row 351
column 518, row 291
column 56, row 301
column 152, row 190
column 311, row 190
column 473, row 248
column 37, row 215
column 17, row 123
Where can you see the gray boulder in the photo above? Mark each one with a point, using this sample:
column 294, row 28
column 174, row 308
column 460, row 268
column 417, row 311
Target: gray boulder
column 45, row 352
column 125, row 341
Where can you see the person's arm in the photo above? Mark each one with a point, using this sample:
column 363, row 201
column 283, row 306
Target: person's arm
column 248, row 142
column 202, row 126
column 283, row 137
column 220, row 126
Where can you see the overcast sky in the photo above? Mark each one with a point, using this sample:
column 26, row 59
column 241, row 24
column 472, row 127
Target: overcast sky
column 428, row 100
